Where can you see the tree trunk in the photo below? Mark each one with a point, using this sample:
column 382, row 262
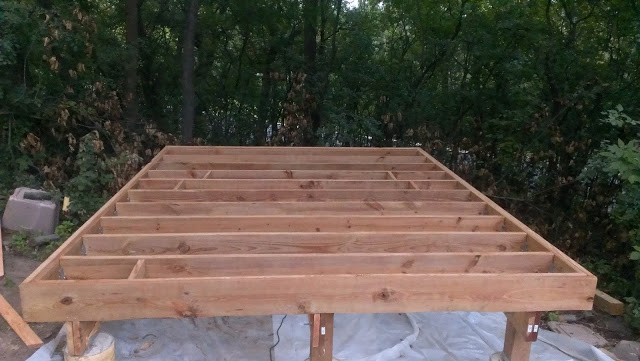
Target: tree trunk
column 188, row 67
column 131, row 65
column 260, row 132
column 310, row 109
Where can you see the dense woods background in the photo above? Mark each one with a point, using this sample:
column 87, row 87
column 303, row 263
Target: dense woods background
column 535, row 102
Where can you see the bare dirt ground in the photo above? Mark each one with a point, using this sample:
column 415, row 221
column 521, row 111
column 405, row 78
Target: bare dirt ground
column 16, row 269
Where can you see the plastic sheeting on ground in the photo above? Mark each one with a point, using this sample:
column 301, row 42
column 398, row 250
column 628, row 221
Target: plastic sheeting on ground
column 446, row 336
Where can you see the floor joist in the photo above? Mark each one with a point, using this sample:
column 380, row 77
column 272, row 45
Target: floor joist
column 299, row 195
column 281, row 184
column 173, row 224
column 301, row 242
column 293, row 174
column 168, row 208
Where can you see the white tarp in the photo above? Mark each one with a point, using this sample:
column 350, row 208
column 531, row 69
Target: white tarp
column 438, row 336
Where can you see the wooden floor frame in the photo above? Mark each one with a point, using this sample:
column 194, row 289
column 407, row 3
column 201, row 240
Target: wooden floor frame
column 224, row 231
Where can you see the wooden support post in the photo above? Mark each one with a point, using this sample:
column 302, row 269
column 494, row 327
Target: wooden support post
column 321, row 337
column 522, row 330
column 79, row 334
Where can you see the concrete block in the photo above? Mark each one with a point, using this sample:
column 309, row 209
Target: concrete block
column 31, row 210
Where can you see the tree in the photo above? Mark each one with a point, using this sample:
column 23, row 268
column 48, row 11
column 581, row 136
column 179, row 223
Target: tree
column 131, row 65
column 507, row 93
column 188, row 66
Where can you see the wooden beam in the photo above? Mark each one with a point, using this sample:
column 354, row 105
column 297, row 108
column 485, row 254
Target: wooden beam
column 259, row 158
column 297, row 166
column 279, row 184
column 298, row 243
column 435, row 184
column 321, row 341
column 605, row 303
column 291, row 174
column 173, row 266
column 52, row 301
column 299, row 208
column 18, row 325
column 267, row 224
column 306, row 195
column 79, row 335
column 269, row 150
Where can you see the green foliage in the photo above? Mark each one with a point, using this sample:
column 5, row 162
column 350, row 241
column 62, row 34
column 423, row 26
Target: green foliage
column 552, row 316
column 8, row 282
column 20, row 242
column 65, row 229
column 86, row 191
column 618, row 164
column 632, row 312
